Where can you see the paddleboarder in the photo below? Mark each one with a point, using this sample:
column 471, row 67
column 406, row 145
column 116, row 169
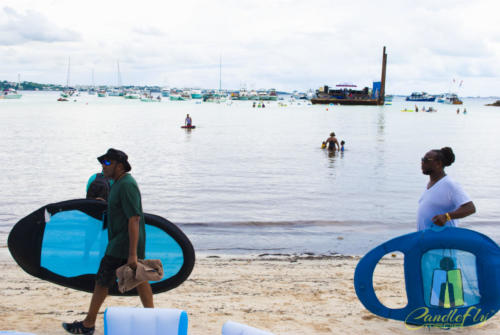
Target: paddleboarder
column 188, row 122
column 126, row 238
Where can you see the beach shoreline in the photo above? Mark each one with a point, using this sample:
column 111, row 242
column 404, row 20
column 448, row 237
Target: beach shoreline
column 298, row 294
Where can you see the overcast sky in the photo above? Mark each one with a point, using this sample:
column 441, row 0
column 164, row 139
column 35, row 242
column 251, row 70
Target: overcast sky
column 282, row 44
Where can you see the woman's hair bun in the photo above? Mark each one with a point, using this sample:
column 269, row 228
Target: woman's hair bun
column 447, row 155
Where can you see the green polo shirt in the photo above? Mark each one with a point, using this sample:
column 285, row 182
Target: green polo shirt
column 124, row 202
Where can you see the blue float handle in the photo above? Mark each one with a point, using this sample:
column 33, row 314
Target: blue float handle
column 363, row 279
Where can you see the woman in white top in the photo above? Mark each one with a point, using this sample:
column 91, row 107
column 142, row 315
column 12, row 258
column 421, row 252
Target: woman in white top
column 444, row 200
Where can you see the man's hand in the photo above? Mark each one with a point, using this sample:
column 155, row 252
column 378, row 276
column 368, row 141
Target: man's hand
column 132, row 262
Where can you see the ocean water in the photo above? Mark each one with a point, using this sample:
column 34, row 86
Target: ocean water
column 252, row 180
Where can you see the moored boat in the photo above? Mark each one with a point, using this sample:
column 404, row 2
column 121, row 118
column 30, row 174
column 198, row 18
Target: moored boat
column 273, row 96
column 10, row 93
column 148, row 97
column 263, row 95
column 450, row 99
column 115, row 92
column 132, row 95
column 186, row 94
column 253, row 95
column 196, row 94
column 68, row 92
column 420, row 96
column 175, row 95
column 243, row 94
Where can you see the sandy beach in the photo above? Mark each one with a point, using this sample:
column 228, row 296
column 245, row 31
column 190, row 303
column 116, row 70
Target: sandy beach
column 281, row 294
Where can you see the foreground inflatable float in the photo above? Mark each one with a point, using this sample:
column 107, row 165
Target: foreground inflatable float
column 161, row 321
column 452, row 278
column 64, row 242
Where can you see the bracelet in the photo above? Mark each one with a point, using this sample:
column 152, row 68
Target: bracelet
column 448, row 217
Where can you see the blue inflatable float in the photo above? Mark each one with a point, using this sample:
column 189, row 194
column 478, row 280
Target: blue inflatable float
column 145, row 321
column 452, row 278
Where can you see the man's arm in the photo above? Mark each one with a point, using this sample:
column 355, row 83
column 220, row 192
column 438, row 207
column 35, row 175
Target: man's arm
column 133, row 236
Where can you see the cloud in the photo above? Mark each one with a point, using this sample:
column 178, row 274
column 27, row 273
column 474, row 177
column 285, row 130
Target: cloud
column 32, row 26
column 286, row 44
column 148, row 31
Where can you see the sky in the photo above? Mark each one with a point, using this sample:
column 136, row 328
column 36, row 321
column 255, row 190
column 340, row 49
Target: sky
column 433, row 46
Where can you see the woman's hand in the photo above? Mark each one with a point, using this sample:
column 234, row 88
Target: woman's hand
column 439, row 220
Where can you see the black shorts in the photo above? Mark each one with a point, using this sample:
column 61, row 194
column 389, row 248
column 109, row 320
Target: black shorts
column 106, row 275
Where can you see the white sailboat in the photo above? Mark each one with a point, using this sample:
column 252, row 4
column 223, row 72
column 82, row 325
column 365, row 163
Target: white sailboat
column 117, row 91
column 91, row 90
column 10, row 93
column 68, row 91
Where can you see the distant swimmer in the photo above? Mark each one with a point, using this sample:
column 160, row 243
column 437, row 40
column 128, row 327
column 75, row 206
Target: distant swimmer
column 331, row 142
column 188, row 122
column 342, row 143
column 416, row 109
column 465, row 111
column 458, row 111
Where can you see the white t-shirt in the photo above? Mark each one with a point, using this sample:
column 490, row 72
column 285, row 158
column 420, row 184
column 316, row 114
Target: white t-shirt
column 443, row 197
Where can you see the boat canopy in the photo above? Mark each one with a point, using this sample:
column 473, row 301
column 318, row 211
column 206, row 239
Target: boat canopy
column 346, row 85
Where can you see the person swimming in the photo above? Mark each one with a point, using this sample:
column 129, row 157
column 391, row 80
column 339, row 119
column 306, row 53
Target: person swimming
column 342, row 145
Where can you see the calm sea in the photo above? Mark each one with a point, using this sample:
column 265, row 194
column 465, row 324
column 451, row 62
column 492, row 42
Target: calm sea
column 252, row 180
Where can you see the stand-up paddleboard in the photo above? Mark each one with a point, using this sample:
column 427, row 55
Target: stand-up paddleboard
column 188, row 127
column 64, row 242
column 452, row 278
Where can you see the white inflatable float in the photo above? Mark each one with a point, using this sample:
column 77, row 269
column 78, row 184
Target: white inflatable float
column 145, row 321
column 234, row 328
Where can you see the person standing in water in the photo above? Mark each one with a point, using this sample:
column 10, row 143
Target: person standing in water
column 188, row 122
column 331, row 142
column 443, row 201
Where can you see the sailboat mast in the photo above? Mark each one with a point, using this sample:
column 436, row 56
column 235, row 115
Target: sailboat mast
column 119, row 74
column 67, row 77
column 220, row 73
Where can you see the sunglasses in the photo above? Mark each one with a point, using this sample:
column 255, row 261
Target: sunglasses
column 425, row 160
column 106, row 162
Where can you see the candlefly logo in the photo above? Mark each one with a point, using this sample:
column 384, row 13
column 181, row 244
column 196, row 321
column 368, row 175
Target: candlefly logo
column 456, row 317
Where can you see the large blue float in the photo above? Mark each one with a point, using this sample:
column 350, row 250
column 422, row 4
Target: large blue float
column 452, row 278
column 64, row 243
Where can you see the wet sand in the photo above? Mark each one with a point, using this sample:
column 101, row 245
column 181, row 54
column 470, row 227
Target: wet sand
column 280, row 294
